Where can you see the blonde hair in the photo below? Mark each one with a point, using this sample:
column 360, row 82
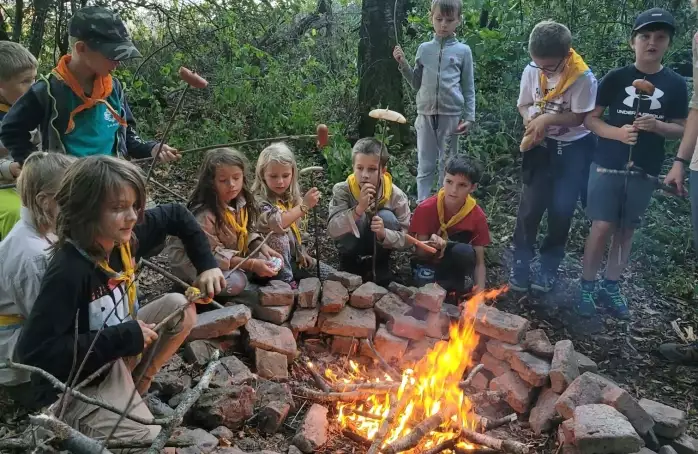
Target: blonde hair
column 278, row 153
column 15, row 59
column 450, row 8
column 42, row 173
column 549, row 39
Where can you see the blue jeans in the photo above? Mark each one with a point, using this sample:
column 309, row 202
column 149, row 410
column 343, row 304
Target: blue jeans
column 553, row 177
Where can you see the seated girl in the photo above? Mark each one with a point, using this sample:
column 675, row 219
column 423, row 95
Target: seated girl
column 225, row 208
column 281, row 209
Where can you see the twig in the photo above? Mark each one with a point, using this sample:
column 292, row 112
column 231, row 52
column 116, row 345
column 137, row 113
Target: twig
column 355, row 437
column 165, row 188
column 471, row 375
column 254, row 251
column 376, row 388
column 365, row 414
column 318, row 378
column 388, row 368
column 176, row 280
column 93, row 375
column 351, row 396
column 416, row 435
column 509, row 446
column 167, row 131
column 69, row 438
column 485, row 424
column 448, row 444
column 18, row 443
column 63, row 405
column 184, row 406
column 395, row 408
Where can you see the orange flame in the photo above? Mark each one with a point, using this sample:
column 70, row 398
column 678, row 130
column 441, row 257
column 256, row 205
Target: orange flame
column 431, row 386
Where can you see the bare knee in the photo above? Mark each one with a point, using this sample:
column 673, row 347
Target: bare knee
column 602, row 229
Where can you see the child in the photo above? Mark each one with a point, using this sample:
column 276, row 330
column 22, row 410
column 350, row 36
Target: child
column 557, row 90
column 282, row 207
column 90, row 282
column 614, row 208
column 17, row 74
column 25, row 251
column 354, row 218
column 443, row 78
column 454, row 223
column 80, row 108
column 226, row 211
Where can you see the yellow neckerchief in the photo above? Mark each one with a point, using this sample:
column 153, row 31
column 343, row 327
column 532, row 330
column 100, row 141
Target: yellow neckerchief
column 574, row 68
column 127, row 276
column 4, row 108
column 239, row 228
column 294, row 227
column 387, row 188
column 465, row 210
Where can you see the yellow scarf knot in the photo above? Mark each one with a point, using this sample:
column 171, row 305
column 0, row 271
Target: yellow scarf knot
column 465, row 210
column 127, row 276
column 574, row 68
column 240, row 228
column 387, row 189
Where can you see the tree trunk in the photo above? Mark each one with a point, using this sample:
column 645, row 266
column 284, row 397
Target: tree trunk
column 3, row 32
column 19, row 17
column 380, row 81
column 36, row 37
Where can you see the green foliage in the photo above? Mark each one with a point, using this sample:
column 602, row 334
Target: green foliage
column 338, row 157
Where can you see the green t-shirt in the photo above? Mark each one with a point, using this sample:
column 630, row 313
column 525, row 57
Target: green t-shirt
column 95, row 129
column 10, row 204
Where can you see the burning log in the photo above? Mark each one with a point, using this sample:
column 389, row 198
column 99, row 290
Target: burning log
column 448, row 444
column 318, row 378
column 458, row 450
column 508, row 446
column 376, row 388
column 355, row 437
column 351, row 396
column 485, row 424
column 419, row 431
column 365, row 414
column 387, row 422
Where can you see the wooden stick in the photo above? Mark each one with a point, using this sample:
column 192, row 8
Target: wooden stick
column 176, row 280
column 68, row 437
column 165, row 188
column 448, row 444
column 184, row 406
column 251, row 254
column 8, row 186
column 420, row 244
column 355, row 437
column 388, row 368
column 351, row 396
column 167, row 132
column 19, row 443
column 485, row 424
column 395, row 408
column 465, row 383
column 376, row 388
column 509, row 446
column 365, row 414
column 317, row 377
column 458, row 450
column 416, row 435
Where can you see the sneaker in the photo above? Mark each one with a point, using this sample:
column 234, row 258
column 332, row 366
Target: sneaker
column 614, row 300
column 543, row 281
column 585, row 306
column 680, row 353
column 518, row 281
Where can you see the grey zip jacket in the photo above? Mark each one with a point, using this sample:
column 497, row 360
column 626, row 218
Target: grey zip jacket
column 443, row 78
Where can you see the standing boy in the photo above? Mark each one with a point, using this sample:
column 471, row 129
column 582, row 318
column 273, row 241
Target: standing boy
column 616, row 202
column 368, row 204
column 17, row 74
column 80, row 108
column 557, row 91
column 456, row 226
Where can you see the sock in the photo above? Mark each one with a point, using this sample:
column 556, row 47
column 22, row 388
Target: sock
column 588, row 286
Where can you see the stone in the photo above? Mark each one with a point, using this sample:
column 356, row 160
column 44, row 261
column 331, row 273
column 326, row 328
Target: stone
column 537, row 342
column 304, row 320
column 350, row 322
column 670, row 422
column 229, row 407
column 584, row 390
column 564, row 368
column 167, row 384
column 667, row 450
column 271, row 365
column 309, row 292
column 198, row 352
column 567, row 429
column 542, row 415
column 231, row 371
column 626, row 404
column 274, row 402
column 223, row 432
column 203, row 441
column 601, row 429
column 269, row 391
column 645, row 451
column 366, row 295
column 494, row 365
column 334, row 297
column 272, row 417
column 272, row 314
column 534, row 370
column 430, row 297
column 500, row 325
column 416, row 350
column 519, row 394
column 176, row 400
column 350, row 281
column 684, row 445
column 342, row 345
column 502, row 350
column 390, row 306
column 586, row 364
column 219, row 322
column 388, row 345
column 407, row 294
column 408, row 327
column 276, row 293
column 268, row 336
column 438, row 325
column 293, row 450
column 312, row 434
column 481, row 380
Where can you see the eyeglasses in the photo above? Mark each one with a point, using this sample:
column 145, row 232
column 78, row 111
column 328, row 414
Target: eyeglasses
column 533, row 65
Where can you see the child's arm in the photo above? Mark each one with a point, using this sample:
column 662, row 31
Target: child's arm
column 480, row 269
column 583, row 94
column 395, row 239
column 467, row 84
column 17, row 126
column 413, row 75
column 676, row 115
column 342, row 215
column 595, row 123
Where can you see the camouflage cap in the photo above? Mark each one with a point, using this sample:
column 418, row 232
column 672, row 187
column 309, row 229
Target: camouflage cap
column 103, row 31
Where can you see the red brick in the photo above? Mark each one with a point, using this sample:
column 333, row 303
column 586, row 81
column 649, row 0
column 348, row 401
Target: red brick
column 342, row 345
column 500, row 325
column 309, row 292
column 350, row 322
column 304, row 320
column 494, row 365
column 542, row 415
column 276, row 293
column 350, row 281
column 537, row 342
column 565, row 367
column 519, row 394
column 502, row 350
column 430, row 297
column 268, row 336
column 390, row 306
column 334, row 297
column 532, row 369
column 312, row 434
column 601, row 429
column 367, row 295
column 409, row 327
column 271, row 365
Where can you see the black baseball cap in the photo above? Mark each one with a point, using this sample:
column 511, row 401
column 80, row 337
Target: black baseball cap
column 104, row 31
column 655, row 16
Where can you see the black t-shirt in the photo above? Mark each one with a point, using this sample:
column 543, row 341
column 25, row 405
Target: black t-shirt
column 616, row 92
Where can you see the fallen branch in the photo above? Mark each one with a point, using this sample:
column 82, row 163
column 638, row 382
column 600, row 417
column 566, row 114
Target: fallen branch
column 189, row 400
column 318, row 378
column 376, row 388
column 448, row 444
column 465, row 383
column 509, row 446
column 68, row 437
column 176, row 280
column 388, row 368
column 351, row 396
column 18, row 443
column 485, row 424
column 421, row 430
column 93, row 375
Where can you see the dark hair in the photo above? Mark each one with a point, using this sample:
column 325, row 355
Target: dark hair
column 657, row 26
column 372, row 147
column 204, row 195
column 84, row 191
column 461, row 165
column 549, row 39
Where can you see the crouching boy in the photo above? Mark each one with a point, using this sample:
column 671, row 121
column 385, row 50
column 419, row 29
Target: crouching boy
column 365, row 206
column 456, row 226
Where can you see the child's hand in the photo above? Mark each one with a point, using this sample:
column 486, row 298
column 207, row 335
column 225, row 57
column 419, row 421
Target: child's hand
column 368, row 192
column 167, row 154
column 645, row 123
column 399, row 55
column 463, row 127
column 149, row 336
column 536, row 128
column 437, row 242
column 675, row 177
column 312, row 197
column 627, row 134
column 262, row 268
column 378, row 228
column 268, row 252
column 211, row 282
column 307, row 260
column 15, row 169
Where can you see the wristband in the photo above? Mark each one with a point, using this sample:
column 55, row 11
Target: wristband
column 304, row 208
column 682, row 160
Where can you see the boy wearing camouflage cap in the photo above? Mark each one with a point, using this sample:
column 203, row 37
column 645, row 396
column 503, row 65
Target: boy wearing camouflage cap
column 80, row 108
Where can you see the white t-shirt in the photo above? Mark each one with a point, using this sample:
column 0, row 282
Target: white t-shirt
column 579, row 98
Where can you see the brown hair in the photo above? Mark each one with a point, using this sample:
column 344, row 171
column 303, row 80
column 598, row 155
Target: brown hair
column 204, row 195
column 549, row 39
column 449, row 8
column 15, row 59
column 42, row 173
column 371, row 147
column 85, row 189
